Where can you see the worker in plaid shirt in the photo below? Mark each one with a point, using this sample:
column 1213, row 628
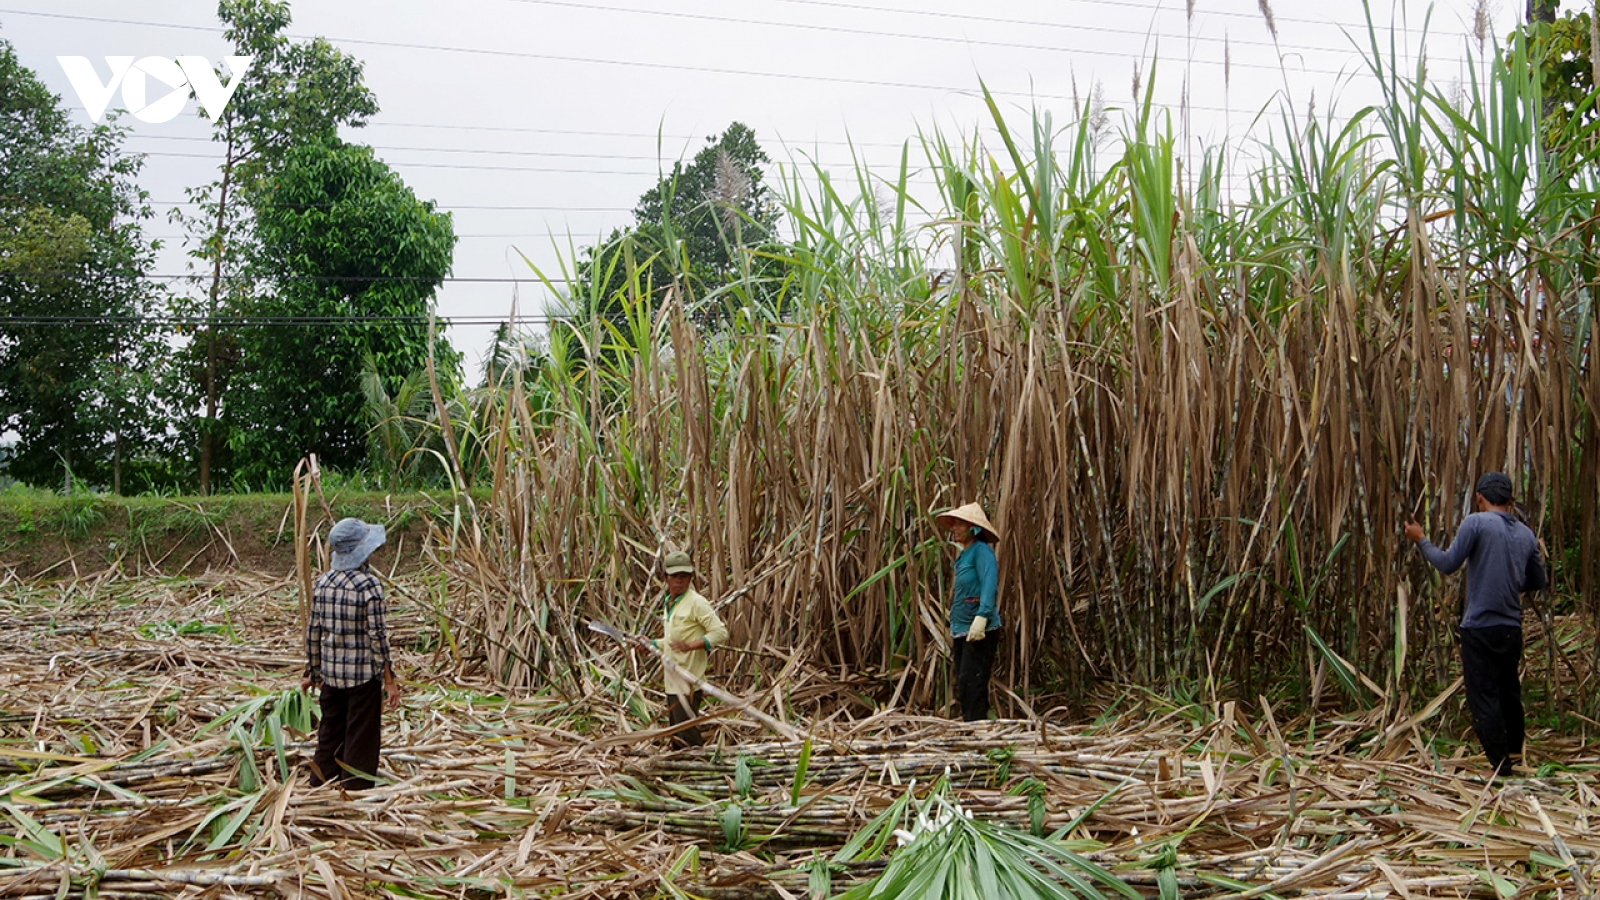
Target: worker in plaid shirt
column 347, row 657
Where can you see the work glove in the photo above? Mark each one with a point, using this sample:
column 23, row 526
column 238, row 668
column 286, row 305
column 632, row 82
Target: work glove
column 980, row 627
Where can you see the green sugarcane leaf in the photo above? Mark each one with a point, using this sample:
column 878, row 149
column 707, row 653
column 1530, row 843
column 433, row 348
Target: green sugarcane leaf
column 36, row 837
column 1545, row 859
column 296, row 709
column 224, row 835
column 280, row 748
column 877, row 833
column 743, row 780
column 1055, row 858
column 801, row 769
column 965, row 881
column 732, row 826
column 249, row 774
column 1204, row 602
column 1167, row 883
column 1088, row 811
column 689, row 861
column 1233, row 884
column 245, row 711
column 984, row 866
column 211, row 817
column 819, row 877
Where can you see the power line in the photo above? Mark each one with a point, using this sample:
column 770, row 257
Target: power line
column 250, row 321
column 511, row 129
column 520, row 54
column 453, row 206
column 540, row 153
column 404, row 163
column 471, row 150
column 1121, row 5
column 200, row 276
column 425, row 165
column 475, row 235
column 552, row 57
column 976, row 42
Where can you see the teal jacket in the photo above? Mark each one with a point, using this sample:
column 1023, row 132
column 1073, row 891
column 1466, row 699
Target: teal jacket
column 977, row 576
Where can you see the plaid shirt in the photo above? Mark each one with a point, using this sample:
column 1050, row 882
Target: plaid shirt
column 347, row 644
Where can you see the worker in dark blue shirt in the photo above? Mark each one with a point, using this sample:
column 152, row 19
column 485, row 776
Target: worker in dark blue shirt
column 1503, row 562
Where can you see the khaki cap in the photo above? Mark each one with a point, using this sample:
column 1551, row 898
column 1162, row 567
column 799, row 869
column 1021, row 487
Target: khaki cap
column 676, row 563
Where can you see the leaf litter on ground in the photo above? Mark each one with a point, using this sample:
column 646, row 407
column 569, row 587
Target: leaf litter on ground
column 143, row 753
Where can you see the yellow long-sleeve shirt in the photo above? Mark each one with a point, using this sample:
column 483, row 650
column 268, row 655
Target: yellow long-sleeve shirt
column 690, row 618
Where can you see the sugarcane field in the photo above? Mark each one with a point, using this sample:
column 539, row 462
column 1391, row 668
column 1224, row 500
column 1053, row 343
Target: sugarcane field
column 1075, row 449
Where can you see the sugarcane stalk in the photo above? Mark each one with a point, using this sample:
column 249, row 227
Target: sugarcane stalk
column 1562, row 850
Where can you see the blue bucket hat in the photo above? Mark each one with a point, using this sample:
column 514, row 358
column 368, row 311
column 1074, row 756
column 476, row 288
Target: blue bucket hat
column 352, row 541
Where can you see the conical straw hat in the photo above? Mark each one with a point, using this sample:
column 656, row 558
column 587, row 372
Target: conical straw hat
column 972, row 514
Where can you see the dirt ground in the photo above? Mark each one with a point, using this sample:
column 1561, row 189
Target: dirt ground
column 149, row 748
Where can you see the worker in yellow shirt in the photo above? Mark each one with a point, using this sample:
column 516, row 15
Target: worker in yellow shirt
column 690, row 629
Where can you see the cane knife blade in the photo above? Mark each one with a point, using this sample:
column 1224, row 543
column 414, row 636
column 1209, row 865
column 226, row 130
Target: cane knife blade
column 607, row 630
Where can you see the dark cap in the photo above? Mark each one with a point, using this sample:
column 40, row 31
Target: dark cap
column 1495, row 488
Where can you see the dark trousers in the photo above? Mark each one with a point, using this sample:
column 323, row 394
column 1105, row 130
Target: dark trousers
column 677, row 715
column 973, row 663
column 1489, row 661
column 351, row 728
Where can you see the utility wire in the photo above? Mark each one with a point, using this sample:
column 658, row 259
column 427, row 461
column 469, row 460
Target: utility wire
column 973, row 42
column 512, row 129
column 201, row 276
column 542, row 235
column 523, row 54
column 452, row 206
column 175, row 154
column 621, row 63
column 1119, row 5
column 425, row 165
column 252, row 321
column 660, row 160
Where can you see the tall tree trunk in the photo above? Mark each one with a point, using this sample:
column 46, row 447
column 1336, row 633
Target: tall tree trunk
column 1594, row 44
column 208, row 431
column 1543, row 11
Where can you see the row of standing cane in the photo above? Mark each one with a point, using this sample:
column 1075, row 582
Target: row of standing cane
column 348, row 656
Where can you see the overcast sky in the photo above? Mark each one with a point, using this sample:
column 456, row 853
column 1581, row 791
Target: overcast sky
column 533, row 118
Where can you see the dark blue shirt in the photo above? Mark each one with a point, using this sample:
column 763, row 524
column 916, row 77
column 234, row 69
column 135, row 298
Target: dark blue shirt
column 976, row 589
column 1499, row 552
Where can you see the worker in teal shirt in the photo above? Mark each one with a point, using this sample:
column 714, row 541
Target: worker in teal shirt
column 974, row 610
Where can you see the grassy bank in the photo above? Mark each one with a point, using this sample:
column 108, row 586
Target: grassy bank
column 46, row 534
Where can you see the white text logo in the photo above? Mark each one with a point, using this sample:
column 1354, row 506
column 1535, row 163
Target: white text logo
column 188, row 73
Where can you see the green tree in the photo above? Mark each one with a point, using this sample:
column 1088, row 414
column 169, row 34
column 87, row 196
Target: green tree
column 701, row 228
column 125, row 410
column 343, row 241
column 71, row 245
column 294, row 93
column 399, row 427
column 1564, row 49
